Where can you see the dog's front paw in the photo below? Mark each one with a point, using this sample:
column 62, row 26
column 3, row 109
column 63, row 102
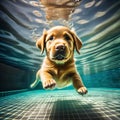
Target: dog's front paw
column 82, row 90
column 49, row 84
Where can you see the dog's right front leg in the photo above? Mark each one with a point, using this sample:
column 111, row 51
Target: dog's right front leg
column 47, row 80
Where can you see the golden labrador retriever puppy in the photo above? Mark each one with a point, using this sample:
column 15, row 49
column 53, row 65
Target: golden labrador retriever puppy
column 58, row 68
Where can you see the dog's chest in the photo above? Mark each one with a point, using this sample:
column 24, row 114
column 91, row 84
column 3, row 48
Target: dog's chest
column 60, row 74
column 62, row 77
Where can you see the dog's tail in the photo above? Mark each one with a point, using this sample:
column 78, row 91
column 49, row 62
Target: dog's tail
column 35, row 83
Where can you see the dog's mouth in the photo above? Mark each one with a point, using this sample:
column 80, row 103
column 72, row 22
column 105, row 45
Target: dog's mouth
column 59, row 57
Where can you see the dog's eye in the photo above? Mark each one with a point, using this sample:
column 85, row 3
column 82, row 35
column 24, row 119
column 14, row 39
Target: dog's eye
column 51, row 38
column 66, row 37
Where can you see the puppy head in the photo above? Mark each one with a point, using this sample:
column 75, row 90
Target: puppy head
column 59, row 43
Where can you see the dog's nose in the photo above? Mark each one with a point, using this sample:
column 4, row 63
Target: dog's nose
column 60, row 47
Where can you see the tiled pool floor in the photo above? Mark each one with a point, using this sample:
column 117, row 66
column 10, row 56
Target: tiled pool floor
column 98, row 104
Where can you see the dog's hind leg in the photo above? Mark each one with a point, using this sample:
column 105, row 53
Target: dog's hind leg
column 35, row 83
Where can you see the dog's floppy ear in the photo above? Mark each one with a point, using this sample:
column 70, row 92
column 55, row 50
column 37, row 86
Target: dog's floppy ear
column 41, row 41
column 77, row 42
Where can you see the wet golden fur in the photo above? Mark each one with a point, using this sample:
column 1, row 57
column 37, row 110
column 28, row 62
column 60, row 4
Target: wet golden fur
column 59, row 71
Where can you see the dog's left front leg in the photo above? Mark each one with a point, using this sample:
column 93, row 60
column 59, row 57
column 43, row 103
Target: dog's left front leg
column 77, row 83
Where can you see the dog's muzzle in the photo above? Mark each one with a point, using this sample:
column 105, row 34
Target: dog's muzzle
column 60, row 52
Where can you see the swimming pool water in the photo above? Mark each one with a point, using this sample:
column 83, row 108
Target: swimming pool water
column 97, row 24
column 98, row 104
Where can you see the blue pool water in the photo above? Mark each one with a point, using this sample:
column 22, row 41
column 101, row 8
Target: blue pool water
column 97, row 24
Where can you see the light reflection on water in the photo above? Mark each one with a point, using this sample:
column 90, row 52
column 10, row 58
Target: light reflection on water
column 97, row 23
